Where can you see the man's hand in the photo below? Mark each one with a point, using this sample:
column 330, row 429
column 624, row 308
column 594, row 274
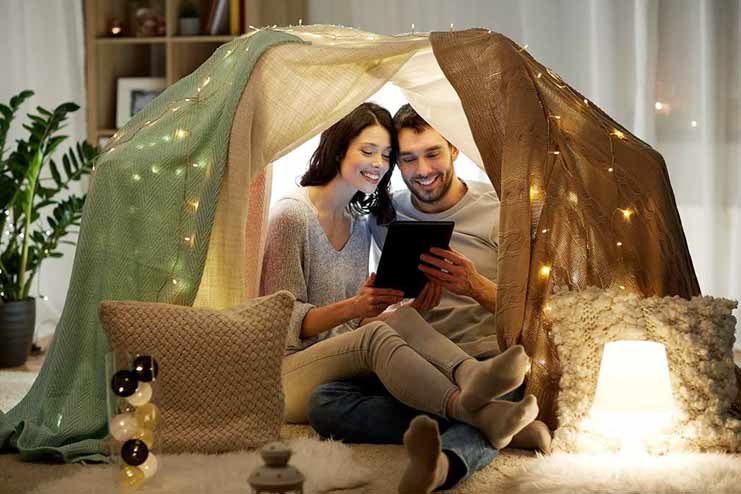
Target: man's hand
column 427, row 299
column 453, row 271
column 370, row 301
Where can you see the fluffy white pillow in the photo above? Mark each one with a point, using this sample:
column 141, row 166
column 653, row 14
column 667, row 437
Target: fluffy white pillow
column 698, row 335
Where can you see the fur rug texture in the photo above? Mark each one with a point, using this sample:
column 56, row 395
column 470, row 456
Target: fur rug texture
column 13, row 386
column 689, row 473
column 327, row 465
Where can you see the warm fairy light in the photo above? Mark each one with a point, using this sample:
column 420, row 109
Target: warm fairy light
column 181, row 134
column 115, row 30
column 586, row 102
column 622, row 287
column 693, row 123
column 557, row 117
column 545, row 271
column 627, row 213
column 174, row 281
column 618, row 134
column 155, row 169
column 611, row 169
column 204, row 84
column 193, row 204
column 228, row 52
column 545, row 230
column 555, row 152
column 540, row 74
column 534, row 192
column 136, row 177
column 659, row 105
column 175, row 109
column 619, row 244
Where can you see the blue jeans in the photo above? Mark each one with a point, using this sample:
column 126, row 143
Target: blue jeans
column 362, row 411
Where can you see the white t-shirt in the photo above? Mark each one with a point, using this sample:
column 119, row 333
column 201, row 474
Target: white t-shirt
column 475, row 235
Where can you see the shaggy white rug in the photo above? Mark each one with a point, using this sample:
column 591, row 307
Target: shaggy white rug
column 327, row 466
column 690, row 473
column 13, row 386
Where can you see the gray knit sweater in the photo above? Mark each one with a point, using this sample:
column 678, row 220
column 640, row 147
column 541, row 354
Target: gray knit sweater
column 299, row 258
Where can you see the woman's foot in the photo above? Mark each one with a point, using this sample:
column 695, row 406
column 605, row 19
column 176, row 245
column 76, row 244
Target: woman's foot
column 535, row 435
column 499, row 421
column 482, row 381
column 428, row 466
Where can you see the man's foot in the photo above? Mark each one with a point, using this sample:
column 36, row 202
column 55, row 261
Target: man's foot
column 499, row 421
column 535, row 435
column 428, row 466
column 482, row 381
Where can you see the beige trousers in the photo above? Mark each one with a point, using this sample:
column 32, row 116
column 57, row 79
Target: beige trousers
column 413, row 360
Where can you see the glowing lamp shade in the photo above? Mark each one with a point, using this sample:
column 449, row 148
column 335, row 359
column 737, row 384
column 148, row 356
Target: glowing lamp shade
column 634, row 394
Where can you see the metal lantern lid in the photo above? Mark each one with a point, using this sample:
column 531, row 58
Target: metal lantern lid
column 276, row 475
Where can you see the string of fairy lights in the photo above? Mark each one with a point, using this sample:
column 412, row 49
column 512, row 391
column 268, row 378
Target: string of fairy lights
column 181, row 133
column 191, row 204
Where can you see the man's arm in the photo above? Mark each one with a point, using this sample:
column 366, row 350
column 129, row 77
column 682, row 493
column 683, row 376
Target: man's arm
column 457, row 273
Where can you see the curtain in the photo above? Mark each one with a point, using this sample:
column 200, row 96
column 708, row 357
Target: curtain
column 667, row 70
column 43, row 50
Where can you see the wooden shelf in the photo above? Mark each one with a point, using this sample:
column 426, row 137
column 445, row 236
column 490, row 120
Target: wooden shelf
column 130, row 41
column 171, row 57
column 201, row 39
column 205, row 38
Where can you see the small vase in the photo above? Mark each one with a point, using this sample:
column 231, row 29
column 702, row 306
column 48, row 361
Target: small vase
column 17, row 323
column 190, row 26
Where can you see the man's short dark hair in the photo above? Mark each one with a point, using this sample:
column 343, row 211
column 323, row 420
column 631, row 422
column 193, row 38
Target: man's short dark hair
column 407, row 118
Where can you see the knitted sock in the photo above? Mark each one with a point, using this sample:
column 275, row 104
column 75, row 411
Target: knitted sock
column 497, row 420
column 535, row 435
column 482, row 381
column 428, row 466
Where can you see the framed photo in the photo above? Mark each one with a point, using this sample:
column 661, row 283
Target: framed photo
column 133, row 94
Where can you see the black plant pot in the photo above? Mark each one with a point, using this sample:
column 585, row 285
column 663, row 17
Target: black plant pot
column 17, row 322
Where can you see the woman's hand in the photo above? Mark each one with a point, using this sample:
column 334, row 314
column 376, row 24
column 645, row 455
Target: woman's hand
column 370, row 301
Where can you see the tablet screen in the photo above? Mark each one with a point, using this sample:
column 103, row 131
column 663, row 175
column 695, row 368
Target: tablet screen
column 405, row 242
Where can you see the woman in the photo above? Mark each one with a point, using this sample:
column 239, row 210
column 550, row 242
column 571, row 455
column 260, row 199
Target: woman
column 318, row 247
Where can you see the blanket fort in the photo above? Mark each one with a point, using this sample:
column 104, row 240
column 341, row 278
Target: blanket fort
column 177, row 208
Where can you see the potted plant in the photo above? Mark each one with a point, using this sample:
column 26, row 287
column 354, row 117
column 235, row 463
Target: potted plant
column 190, row 23
column 25, row 238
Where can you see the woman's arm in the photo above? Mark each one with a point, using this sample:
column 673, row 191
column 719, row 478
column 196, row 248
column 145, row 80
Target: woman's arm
column 368, row 303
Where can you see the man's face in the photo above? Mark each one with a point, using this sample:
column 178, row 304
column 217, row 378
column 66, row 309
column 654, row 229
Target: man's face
column 426, row 163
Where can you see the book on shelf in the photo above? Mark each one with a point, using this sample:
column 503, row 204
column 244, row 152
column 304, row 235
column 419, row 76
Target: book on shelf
column 235, row 17
column 218, row 22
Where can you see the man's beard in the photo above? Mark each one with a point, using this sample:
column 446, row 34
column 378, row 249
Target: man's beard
column 434, row 195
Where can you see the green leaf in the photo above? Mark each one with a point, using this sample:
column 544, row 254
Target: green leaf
column 55, row 173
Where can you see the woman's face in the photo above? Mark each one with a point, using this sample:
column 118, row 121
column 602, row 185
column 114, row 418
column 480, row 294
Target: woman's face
column 367, row 159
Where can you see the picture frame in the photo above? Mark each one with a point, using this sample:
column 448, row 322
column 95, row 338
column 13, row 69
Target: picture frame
column 133, row 94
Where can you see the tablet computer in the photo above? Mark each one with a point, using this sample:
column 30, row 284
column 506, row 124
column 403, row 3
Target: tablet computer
column 398, row 267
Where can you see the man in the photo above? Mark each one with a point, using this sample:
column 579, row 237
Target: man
column 362, row 410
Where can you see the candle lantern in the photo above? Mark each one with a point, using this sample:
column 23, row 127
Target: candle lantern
column 276, row 475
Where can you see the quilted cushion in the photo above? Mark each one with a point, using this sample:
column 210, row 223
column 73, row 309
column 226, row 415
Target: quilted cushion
column 698, row 335
column 219, row 385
